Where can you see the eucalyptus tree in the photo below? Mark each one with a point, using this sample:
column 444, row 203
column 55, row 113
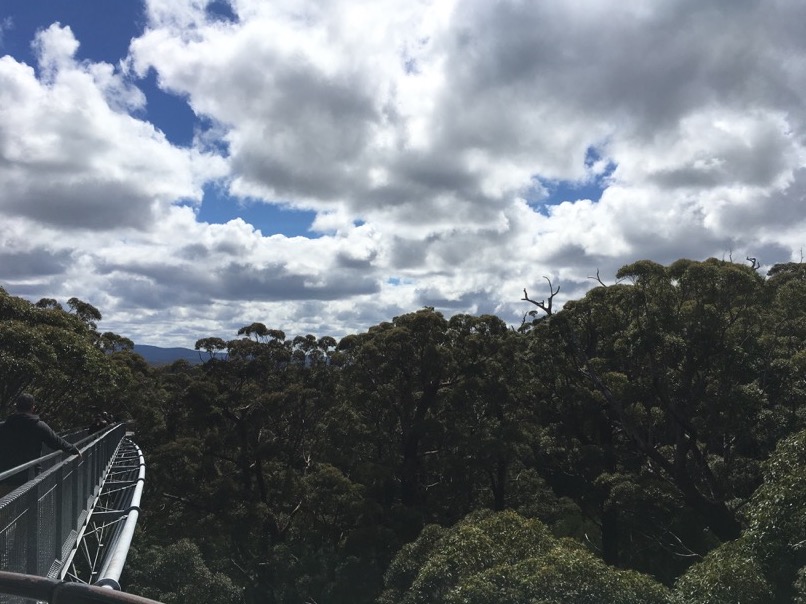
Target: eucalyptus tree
column 242, row 433
column 176, row 573
column 59, row 356
column 767, row 564
column 577, row 447
column 395, row 378
column 504, row 557
column 784, row 341
column 665, row 371
column 486, row 421
column 24, row 350
column 683, row 381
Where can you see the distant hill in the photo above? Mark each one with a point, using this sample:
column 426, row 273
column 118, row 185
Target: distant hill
column 165, row 356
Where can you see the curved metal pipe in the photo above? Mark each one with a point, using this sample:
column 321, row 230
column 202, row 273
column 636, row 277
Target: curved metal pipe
column 113, row 565
column 52, row 591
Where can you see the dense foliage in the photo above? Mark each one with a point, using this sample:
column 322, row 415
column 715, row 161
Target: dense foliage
column 643, row 444
column 504, row 557
column 62, row 358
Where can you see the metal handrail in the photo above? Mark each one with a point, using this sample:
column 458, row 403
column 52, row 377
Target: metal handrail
column 41, row 520
column 75, row 520
column 52, row 591
column 42, row 461
column 113, row 565
column 29, row 464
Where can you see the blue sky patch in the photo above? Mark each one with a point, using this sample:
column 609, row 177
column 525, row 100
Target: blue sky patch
column 270, row 219
column 168, row 112
column 122, row 21
column 395, row 281
column 221, row 10
column 559, row 191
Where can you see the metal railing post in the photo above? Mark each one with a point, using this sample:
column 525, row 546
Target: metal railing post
column 113, row 567
column 75, row 496
column 44, row 523
column 59, row 520
column 32, row 536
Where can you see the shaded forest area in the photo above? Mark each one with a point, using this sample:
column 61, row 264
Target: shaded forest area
column 646, row 443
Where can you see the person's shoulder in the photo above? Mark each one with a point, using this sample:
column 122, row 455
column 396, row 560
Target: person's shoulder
column 18, row 425
column 18, row 419
column 42, row 424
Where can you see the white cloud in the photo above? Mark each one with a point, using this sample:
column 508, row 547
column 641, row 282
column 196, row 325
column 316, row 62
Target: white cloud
column 416, row 131
column 72, row 158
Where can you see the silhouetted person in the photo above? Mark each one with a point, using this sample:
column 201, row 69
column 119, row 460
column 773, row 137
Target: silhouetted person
column 21, row 439
column 98, row 424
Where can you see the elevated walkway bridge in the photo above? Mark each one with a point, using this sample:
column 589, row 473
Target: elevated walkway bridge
column 65, row 533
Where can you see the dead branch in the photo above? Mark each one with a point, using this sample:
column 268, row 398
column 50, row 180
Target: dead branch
column 598, row 278
column 544, row 305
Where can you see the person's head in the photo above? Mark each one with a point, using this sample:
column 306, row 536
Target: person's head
column 25, row 403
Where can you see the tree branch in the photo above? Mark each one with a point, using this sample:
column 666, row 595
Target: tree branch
column 544, row 305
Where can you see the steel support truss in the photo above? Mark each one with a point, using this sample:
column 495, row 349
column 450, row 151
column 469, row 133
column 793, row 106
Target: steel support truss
column 103, row 544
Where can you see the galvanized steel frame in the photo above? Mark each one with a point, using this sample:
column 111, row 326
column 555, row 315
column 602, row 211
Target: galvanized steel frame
column 110, row 526
column 47, row 521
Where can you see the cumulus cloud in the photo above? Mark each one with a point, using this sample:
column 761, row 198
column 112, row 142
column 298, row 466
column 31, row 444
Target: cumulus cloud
column 73, row 155
column 422, row 134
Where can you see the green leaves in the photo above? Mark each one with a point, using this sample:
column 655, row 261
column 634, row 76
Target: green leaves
column 506, row 558
column 178, row 574
column 60, row 357
column 730, row 574
column 636, row 420
column 766, row 564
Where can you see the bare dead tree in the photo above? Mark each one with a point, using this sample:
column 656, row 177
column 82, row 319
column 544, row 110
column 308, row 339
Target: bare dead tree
column 754, row 263
column 544, row 305
column 598, row 279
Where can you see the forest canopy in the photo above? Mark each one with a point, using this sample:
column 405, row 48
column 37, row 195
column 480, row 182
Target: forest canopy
column 644, row 443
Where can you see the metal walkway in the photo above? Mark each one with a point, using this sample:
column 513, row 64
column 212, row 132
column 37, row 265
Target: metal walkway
column 65, row 534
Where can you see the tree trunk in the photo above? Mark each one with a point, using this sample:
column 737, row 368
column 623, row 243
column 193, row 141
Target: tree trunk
column 717, row 516
column 410, row 470
column 499, row 484
column 610, row 533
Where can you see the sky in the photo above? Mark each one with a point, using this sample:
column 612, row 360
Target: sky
column 191, row 167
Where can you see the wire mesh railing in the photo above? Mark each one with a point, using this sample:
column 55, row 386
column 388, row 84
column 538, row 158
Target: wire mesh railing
column 40, row 521
column 108, row 533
